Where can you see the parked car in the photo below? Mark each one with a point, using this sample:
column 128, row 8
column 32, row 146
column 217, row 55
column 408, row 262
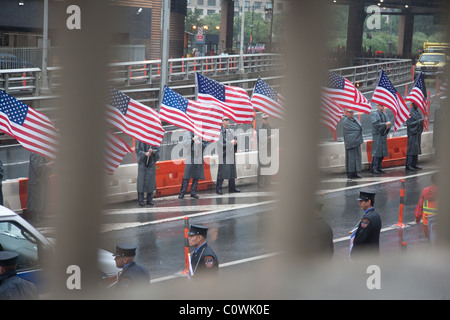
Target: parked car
column 34, row 250
column 10, row 61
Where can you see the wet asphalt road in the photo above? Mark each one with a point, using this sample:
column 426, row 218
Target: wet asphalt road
column 240, row 223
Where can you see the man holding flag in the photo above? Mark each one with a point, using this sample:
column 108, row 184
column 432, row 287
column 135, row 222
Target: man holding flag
column 414, row 125
column 380, row 130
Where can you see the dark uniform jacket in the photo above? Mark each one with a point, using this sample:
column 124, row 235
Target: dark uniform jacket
column 414, row 129
column 204, row 261
column 194, row 157
column 133, row 275
column 367, row 237
column 379, row 134
column 226, row 156
column 146, row 179
column 12, row 287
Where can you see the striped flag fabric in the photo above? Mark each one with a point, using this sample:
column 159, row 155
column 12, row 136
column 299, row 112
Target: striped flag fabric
column 116, row 149
column 32, row 129
column 234, row 101
column 386, row 95
column 344, row 93
column 331, row 113
column 134, row 118
column 418, row 94
column 205, row 120
column 267, row 100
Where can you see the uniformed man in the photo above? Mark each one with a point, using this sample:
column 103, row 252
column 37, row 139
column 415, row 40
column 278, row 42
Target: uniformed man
column 414, row 129
column 39, row 172
column 132, row 274
column 147, row 157
column 204, row 261
column 12, row 287
column 193, row 147
column 353, row 139
column 227, row 146
column 380, row 130
column 264, row 144
column 322, row 235
column 366, row 237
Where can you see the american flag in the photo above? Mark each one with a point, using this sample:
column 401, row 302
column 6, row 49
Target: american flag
column 134, row 118
column 418, row 94
column 203, row 119
column 344, row 93
column 116, row 149
column 386, row 95
column 331, row 113
column 32, row 129
column 267, row 100
column 234, row 101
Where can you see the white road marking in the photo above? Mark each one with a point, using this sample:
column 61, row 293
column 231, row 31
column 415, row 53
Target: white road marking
column 383, row 180
column 120, row 226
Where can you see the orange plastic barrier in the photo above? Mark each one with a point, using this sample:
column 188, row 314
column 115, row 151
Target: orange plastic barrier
column 169, row 177
column 397, row 152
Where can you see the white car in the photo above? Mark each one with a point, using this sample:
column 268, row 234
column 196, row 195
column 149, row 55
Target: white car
column 17, row 235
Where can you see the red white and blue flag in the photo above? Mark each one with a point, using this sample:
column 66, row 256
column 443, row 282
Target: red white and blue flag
column 32, row 129
column 134, row 118
column 331, row 113
column 418, row 94
column 116, row 149
column 267, row 100
column 344, row 93
column 234, row 101
column 386, row 95
column 205, row 120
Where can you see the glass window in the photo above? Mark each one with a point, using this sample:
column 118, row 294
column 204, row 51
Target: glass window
column 14, row 238
column 212, row 3
column 200, row 2
column 258, row 5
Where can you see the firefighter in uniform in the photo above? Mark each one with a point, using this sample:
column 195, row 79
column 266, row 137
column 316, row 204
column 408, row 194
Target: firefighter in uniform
column 427, row 207
column 366, row 237
column 132, row 274
column 204, row 260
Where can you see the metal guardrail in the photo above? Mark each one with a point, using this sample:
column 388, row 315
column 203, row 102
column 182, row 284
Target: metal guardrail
column 366, row 74
column 28, row 81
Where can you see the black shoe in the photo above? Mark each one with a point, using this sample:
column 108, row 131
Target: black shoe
column 357, row 176
column 150, row 203
column 142, row 203
column 409, row 168
column 417, row 168
column 219, row 192
column 195, row 196
column 235, row 190
column 381, row 171
column 376, row 172
column 181, row 196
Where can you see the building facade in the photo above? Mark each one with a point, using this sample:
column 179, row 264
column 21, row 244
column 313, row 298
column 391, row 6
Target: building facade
column 207, row 7
column 137, row 24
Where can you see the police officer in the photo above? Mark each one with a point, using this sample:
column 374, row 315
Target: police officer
column 380, row 130
column 227, row 147
column 367, row 235
column 12, row 287
column 204, row 261
column 193, row 147
column 146, row 180
column 132, row 274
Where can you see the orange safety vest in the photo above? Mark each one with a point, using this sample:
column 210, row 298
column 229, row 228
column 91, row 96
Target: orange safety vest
column 429, row 209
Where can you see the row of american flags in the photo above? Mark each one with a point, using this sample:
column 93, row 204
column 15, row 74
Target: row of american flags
column 37, row 133
column 339, row 93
